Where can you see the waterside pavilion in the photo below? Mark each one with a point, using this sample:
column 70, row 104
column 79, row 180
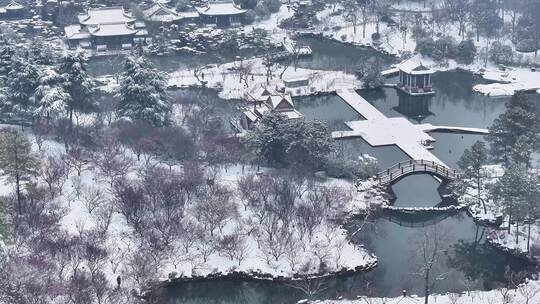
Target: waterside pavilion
column 414, row 78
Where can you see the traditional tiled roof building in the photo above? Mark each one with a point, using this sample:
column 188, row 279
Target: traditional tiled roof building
column 222, row 14
column 105, row 28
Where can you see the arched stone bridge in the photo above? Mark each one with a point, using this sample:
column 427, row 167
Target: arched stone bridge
column 410, row 167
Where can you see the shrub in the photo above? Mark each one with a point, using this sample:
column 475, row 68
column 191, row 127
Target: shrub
column 500, row 53
column 466, row 51
column 425, row 47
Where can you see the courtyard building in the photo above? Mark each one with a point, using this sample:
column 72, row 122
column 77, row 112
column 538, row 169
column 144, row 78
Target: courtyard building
column 221, row 14
column 161, row 13
column 105, row 28
column 265, row 102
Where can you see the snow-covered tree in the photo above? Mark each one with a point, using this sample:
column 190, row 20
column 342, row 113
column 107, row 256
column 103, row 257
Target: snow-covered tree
column 471, row 163
column 17, row 161
column 22, row 81
column 299, row 143
column 516, row 193
column 76, row 83
column 143, row 93
column 515, row 134
column 51, row 98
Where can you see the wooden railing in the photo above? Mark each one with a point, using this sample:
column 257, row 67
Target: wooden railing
column 408, row 167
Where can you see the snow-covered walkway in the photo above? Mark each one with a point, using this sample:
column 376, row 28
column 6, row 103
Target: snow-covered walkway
column 379, row 130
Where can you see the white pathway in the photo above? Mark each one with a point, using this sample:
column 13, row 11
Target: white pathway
column 378, row 130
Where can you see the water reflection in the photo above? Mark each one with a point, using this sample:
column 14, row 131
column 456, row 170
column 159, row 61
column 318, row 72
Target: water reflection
column 399, row 265
column 331, row 55
column 415, row 108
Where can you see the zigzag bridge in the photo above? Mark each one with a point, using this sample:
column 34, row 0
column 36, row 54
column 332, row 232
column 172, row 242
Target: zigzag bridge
column 410, row 167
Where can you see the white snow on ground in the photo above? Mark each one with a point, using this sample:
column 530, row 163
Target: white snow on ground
column 226, row 78
column 525, row 293
column 338, row 28
column 510, row 81
column 328, row 237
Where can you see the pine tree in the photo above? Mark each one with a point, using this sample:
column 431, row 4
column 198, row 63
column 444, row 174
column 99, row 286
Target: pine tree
column 17, row 161
column 516, row 193
column 143, row 94
column 51, row 99
column 22, row 82
column 77, row 83
column 298, row 143
column 471, row 163
column 515, row 134
column 7, row 54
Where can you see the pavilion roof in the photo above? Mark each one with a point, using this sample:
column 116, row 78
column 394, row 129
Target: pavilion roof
column 413, row 67
column 73, row 32
column 221, row 9
column 105, row 15
column 107, row 30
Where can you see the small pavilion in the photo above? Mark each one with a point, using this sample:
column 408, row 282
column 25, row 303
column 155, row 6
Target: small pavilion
column 414, row 78
column 12, row 11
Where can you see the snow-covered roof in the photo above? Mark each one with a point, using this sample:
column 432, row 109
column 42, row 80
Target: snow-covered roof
column 188, row 15
column 262, row 109
column 261, row 94
column 73, row 32
column 276, row 99
column 160, row 13
column 104, row 30
column 413, row 67
column 221, row 9
column 13, row 6
column 292, row 114
column 250, row 115
column 2, row 10
column 105, row 15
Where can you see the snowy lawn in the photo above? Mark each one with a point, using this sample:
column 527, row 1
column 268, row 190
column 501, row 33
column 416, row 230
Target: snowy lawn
column 322, row 250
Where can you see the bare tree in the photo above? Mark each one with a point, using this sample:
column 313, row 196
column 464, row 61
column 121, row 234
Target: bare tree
column 101, row 287
column 112, row 160
column 78, row 158
column 54, row 172
column 215, row 208
column 310, row 286
column 80, row 289
column 430, row 251
column 141, row 269
column 92, row 197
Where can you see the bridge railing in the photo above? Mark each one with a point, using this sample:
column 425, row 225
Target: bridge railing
column 405, row 167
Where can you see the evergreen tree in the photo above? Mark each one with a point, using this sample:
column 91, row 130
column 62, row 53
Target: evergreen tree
column 22, row 82
column 516, row 193
column 471, row 163
column 50, row 96
column 143, row 93
column 291, row 142
column 77, row 83
column 515, row 134
column 466, row 52
column 7, row 55
column 17, row 161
